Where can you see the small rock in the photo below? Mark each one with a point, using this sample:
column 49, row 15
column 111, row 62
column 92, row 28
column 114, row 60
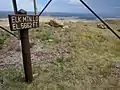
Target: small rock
column 118, row 30
column 117, row 64
column 85, row 25
column 65, row 27
column 32, row 44
column 35, row 75
column 101, row 26
column 50, row 40
column 54, row 24
column 18, row 49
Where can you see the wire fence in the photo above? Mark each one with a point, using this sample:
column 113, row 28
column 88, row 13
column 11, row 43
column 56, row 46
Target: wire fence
column 95, row 14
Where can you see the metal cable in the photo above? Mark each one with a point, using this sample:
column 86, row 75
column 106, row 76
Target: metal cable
column 101, row 19
column 45, row 7
column 8, row 31
column 92, row 12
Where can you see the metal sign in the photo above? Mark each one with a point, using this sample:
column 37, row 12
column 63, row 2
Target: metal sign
column 19, row 22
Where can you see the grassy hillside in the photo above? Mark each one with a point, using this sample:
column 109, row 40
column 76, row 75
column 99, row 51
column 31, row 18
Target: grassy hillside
column 81, row 57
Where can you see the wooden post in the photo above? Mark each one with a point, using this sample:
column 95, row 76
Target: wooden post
column 24, row 37
column 25, row 47
column 26, row 55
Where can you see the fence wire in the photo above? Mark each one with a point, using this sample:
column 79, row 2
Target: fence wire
column 45, row 7
column 109, row 28
column 8, row 32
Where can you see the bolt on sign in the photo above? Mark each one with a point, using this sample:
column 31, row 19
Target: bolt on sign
column 19, row 22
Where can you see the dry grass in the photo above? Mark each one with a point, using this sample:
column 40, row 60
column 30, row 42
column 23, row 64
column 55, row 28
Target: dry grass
column 81, row 57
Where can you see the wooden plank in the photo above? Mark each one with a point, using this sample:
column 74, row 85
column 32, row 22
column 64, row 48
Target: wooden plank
column 20, row 22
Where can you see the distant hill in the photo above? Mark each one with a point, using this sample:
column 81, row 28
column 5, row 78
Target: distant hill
column 87, row 16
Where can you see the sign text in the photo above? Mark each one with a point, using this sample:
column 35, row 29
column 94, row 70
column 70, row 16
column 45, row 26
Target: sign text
column 19, row 22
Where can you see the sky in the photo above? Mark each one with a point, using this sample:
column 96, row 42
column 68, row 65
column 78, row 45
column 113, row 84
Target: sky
column 72, row 6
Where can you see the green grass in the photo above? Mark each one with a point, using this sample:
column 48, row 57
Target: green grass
column 3, row 37
column 84, row 59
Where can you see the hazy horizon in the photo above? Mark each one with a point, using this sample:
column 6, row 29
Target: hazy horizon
column 87, row 16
